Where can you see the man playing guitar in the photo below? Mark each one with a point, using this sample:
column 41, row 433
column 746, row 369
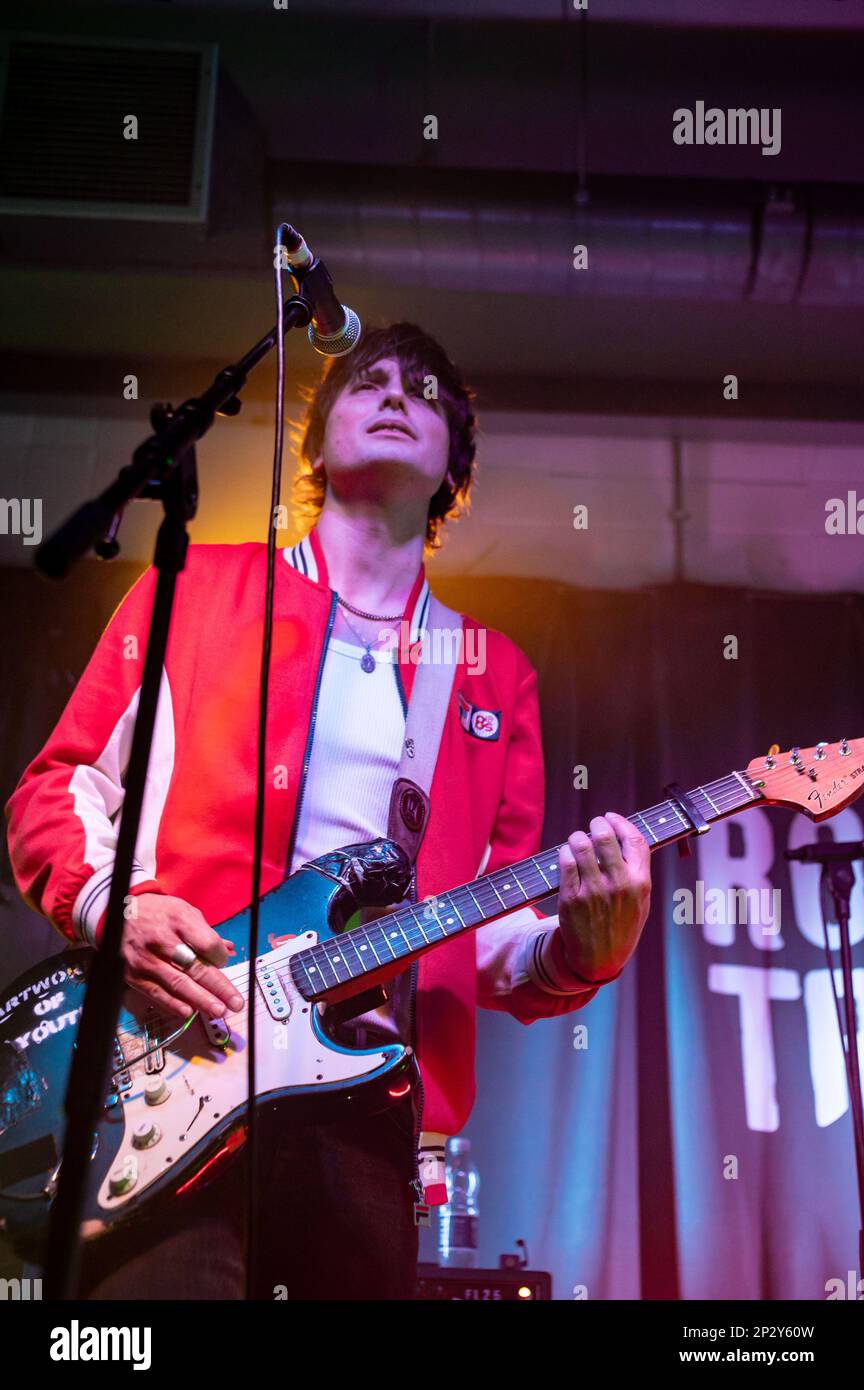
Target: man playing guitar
column 387, row 458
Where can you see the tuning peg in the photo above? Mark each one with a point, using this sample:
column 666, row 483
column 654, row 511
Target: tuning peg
column 845, row 750
column 820, row 751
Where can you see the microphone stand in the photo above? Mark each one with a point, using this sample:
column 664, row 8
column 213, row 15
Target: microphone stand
column 836, row 883
column 163, row 467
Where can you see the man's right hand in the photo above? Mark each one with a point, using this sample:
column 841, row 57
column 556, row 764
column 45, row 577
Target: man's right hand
column 159, row 924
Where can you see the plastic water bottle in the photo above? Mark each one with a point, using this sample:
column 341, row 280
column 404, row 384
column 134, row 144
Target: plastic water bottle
column 457, row 1229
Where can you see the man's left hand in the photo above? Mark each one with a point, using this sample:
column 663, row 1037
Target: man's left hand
column 604, row 895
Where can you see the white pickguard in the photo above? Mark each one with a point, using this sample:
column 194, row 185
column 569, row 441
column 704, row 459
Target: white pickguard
column 205, row 1083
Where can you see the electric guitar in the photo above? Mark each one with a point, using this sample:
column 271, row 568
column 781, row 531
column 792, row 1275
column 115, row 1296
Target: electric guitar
column 177, row 1097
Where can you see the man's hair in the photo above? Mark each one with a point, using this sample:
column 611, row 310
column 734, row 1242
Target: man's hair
column 419, row 357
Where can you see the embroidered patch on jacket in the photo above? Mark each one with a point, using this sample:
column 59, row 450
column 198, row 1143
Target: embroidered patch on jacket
column 479, row 723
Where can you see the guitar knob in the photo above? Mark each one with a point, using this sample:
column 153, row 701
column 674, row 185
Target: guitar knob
column 156, row 1090
column 124, row 1177
column 145, row 1134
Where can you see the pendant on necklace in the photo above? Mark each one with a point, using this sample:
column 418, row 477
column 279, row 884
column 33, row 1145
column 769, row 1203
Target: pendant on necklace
column 367, row 663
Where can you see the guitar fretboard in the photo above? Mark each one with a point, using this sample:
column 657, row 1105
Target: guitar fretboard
column 412, row 927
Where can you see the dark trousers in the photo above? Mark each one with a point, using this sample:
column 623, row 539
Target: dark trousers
column 335, row 1213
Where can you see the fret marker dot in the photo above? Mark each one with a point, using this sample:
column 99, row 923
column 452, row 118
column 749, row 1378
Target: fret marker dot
column 662, row 820
column 393, row 933
column 364, row 948
column 450, row 919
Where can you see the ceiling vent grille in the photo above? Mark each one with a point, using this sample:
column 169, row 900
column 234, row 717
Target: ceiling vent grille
column 65, row 106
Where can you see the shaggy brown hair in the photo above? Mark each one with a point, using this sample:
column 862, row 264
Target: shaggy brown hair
column 420, row 356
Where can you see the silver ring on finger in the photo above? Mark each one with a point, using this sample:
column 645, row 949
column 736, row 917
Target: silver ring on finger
column 183, row 955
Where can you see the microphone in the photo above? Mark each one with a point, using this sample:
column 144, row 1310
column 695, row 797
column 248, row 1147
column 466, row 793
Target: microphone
column 335, row 329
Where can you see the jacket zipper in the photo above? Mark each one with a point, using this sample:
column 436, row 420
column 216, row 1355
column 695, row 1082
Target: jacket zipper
column 415, row 1182
column 308, row 750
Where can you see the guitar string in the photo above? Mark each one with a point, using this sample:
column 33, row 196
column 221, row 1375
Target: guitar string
column 724, row 793
column 725, row 796
column 242, row 986
column 318, row 951
column 721, row 795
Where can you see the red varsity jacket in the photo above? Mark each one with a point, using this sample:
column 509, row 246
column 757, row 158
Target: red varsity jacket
column 196, row 834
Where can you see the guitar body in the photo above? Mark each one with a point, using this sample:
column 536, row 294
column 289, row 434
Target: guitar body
column 178, row 1095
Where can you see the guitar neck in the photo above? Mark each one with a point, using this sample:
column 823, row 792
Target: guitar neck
column 413, row 928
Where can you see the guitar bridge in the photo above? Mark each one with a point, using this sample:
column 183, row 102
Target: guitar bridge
column 121, row 1077
column 153, row 1061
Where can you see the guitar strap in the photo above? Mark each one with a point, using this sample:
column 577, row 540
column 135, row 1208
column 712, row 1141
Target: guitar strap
column 409, row 814
column 424, row 724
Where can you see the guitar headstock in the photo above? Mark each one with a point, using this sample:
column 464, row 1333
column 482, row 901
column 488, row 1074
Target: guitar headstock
column 819, row 781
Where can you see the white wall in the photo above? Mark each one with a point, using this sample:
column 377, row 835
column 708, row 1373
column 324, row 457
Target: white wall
column 756, row 493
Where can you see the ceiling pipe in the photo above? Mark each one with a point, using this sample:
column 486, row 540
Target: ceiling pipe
column 772, row 250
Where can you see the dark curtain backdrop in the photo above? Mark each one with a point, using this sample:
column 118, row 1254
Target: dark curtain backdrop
column 700, row 1145
column 609, row 1160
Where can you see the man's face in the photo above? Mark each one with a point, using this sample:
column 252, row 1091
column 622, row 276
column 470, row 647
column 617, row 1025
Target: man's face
column 383, row 439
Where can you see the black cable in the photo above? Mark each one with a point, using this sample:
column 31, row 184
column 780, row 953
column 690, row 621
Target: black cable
column 251, row 1135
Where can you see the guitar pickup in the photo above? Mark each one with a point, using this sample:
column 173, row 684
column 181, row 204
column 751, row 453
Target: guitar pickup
column 273, row 990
